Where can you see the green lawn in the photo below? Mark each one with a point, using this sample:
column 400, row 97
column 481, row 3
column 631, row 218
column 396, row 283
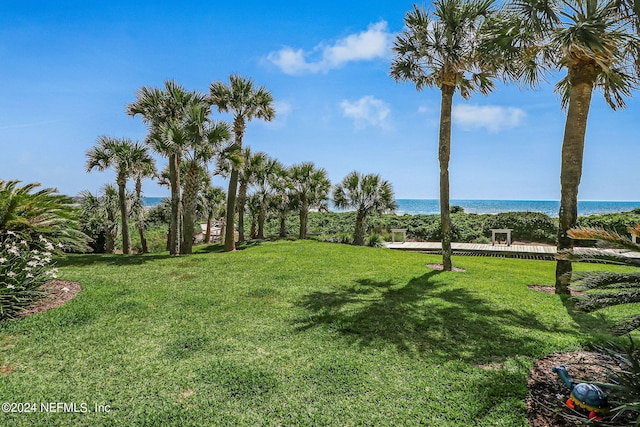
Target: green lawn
column 289, row 333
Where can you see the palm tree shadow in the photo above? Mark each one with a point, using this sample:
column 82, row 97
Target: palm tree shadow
column 422, row 317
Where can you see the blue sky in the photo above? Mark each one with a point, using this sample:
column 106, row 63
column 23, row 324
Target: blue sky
column 69, row 68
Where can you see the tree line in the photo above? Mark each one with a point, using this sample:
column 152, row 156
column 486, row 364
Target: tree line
column 180, row 128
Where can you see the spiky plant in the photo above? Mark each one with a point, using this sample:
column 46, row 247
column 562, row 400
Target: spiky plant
column 609, row 289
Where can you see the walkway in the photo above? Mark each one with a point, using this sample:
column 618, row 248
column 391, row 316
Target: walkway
column 532, row 251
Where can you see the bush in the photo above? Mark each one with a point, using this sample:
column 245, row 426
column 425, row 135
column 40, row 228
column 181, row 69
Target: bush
column 23, row 271
column 375, row 241
column 624, row 386
column 527, row 226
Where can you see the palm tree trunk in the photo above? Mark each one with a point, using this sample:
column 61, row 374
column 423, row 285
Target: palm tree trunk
column 140, row 222
column 283, row 225
column 176, row 205
column 207, row 237
column 189, row 195
column 242, row 201
column 444, row 154
column 122, row 198
column 304, row 215
column 262, row 215
column 571, row 172
column 229, row 234
column 358, row 237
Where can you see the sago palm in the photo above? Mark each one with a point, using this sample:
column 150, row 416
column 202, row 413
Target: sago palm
column 596, row 43
column 367, row 194
column 441, row 49
column 245, row 102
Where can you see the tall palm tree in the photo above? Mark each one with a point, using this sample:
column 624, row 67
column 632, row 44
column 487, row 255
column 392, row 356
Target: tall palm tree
column 204, row 137
column 441, row 50
column 245, row 102
column 310, row 189
column 367, row 194
column 597, row 43
column 165, row 111
column 121, row 154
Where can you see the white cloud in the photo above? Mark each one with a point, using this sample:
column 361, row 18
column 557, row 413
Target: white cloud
column 366, row 111
column 490, row 117
column 283, row 110
column 367, row 45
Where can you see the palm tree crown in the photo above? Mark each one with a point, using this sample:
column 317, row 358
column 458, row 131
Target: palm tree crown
column 367, row 194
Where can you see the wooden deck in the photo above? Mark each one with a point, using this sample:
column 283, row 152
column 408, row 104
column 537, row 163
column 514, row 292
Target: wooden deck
column 538, row 251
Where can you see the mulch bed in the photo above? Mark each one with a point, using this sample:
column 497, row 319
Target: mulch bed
column 57, row 293
column 547, row 394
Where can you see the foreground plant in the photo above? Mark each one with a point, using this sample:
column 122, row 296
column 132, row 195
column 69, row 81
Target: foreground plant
column 23, row 271
column 31, row 212
column 611, row 288
column 624, row 383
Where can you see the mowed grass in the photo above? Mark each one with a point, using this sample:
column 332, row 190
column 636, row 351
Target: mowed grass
column 288, row 333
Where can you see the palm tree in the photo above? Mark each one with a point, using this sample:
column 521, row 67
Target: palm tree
column 441, row 50
column 32, row 212
column 596, row 41
column 121, row 154
column 203, row 138
column 246, row 103
column 164, row 112
column 99, row 217
column 281, row 200
column 310, row 189
column 212, row 201
column 143, row 166
column 266, row 180
column 367, row 194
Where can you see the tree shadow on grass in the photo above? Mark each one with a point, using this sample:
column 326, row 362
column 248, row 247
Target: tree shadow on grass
column 425, row 318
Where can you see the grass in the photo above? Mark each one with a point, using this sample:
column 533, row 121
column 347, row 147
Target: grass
column 289, row 333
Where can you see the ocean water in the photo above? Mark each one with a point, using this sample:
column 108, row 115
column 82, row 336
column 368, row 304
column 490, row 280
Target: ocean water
column 549, row 207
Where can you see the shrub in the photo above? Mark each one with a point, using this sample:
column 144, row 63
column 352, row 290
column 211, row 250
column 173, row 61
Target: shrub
column 375, row 241
column 527, row 226
column 23, row 271
column 624, row 382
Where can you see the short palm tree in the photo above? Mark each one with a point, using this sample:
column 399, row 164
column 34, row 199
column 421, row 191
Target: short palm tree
column 310, row 189
column 597, row 43
column 281, row 200
column 99, row 217
column 442, row 50
column 212, row 203
column 245, row 102
column 266, row 181
column 121, row 154
column 367, row 194
column 144, row 166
